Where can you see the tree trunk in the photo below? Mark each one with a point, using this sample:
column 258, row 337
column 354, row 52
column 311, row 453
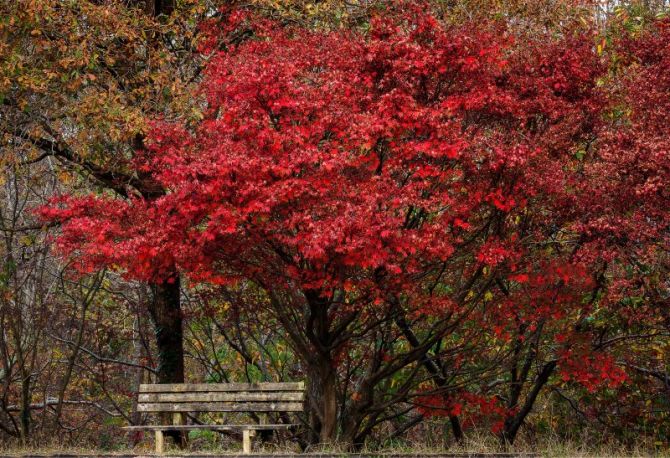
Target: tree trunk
column 25, row 406
column 323, row 401
column 514, row 423
column 165, row 312
column 158, row 7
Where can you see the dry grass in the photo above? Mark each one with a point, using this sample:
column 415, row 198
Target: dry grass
column 581, row 447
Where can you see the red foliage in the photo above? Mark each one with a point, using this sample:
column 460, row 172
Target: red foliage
column 474, row 408
column 325, row 155
column 592, row 371
column 625, row 184
column 361, row 161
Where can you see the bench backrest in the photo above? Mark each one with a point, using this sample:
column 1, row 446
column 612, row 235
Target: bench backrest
column 221, row 397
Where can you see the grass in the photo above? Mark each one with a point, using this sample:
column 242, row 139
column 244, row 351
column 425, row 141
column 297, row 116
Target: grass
column 552, row 447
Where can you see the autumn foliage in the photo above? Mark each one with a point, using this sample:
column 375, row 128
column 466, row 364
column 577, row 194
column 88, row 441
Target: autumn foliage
column 354, row 159
column 464, row 212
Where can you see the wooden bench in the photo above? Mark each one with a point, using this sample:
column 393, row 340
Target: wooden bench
column 181, row 398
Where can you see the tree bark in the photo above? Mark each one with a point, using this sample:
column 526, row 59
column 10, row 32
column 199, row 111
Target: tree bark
column 322, row 377
column 166, row 315
column 158, row 7
column 165, row 312
column 323, row 400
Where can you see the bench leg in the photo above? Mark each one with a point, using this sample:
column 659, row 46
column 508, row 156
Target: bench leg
column 159, row 442
column 246, row 441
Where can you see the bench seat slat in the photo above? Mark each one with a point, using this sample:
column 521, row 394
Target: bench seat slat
column 262, row 396
column 208, row 427
column 216, row 387
column 221, row 407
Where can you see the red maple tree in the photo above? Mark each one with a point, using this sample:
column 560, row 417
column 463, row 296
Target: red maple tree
column 422, row 172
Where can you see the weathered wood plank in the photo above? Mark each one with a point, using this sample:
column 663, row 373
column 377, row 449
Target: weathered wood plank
column 207, row 427
column 221, row 407
column 216, row 387
column 260, row 396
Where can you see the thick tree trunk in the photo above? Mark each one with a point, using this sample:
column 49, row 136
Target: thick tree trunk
column 329, row 408
column 165, row 312
column 323, row 401
column 322, row 383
